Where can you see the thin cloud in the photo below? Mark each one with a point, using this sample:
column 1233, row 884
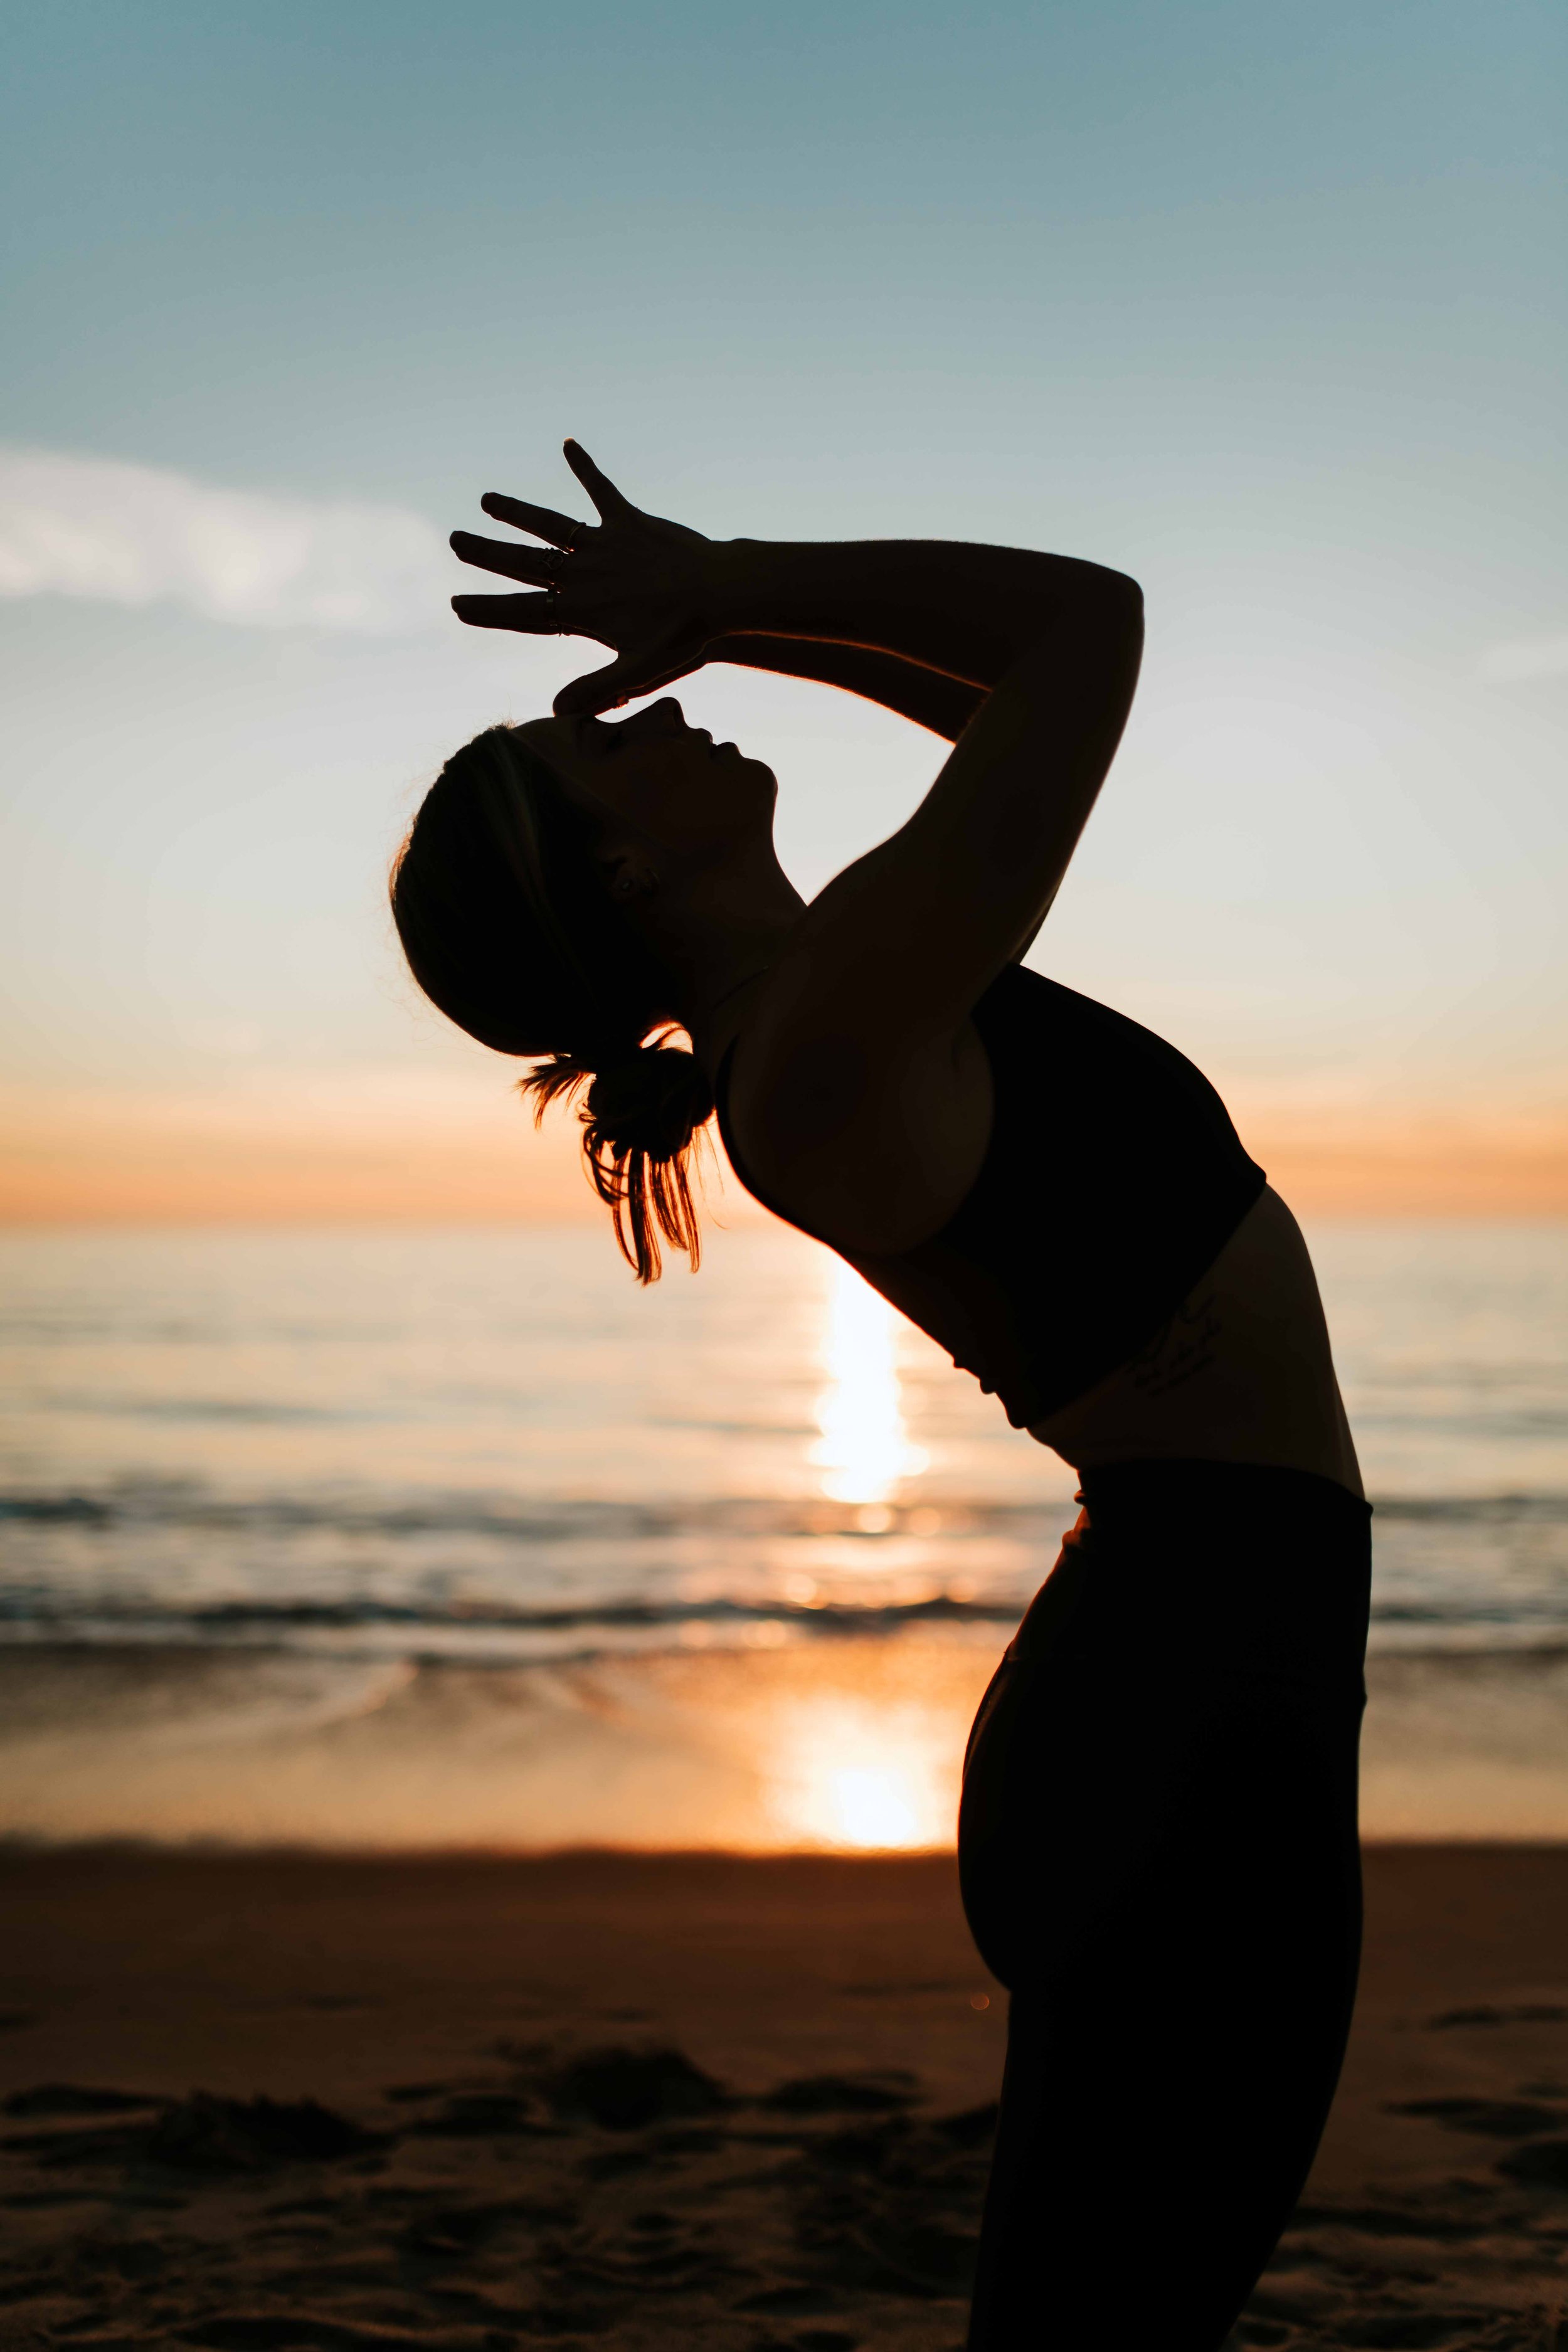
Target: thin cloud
column 1525, row 657
column 118, row 534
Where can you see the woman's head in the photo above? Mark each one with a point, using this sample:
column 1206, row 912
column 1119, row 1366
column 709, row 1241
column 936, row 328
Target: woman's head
column 515, row 896
column 651, row 786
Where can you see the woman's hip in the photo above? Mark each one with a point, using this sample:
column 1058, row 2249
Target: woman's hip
column 1186, row 1683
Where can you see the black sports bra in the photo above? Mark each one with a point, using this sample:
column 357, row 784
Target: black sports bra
column 1112, row 1181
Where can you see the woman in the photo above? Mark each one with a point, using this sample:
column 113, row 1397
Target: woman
column 1157, row 1838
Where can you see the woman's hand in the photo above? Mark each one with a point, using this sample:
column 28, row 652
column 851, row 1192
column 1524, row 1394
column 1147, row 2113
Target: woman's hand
column 634, row 582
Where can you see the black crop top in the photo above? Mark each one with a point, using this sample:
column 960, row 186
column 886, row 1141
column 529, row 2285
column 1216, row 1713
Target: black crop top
column 1112, row 1181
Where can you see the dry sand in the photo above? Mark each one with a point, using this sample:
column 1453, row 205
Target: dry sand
column 789, row 2153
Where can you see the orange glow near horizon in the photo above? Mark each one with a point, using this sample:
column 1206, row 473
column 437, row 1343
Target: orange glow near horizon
column 398, row 1147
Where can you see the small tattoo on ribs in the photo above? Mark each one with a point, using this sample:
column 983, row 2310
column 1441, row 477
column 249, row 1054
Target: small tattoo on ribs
column 1185, row 1347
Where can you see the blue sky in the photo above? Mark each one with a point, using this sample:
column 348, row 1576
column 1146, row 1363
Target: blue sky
column 1262, row 303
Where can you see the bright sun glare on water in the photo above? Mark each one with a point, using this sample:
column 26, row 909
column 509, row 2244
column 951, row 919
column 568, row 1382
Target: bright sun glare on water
column 850, row 1772
column 863, row 1450
column 847, row 1770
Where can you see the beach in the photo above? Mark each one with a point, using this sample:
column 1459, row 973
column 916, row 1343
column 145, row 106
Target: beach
column 479, row 1754
column 650, row 2098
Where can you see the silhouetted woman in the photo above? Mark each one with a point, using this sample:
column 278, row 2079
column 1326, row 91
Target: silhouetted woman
column 1157, row 1840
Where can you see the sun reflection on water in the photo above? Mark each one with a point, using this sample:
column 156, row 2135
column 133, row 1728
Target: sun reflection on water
column 851, row 1773
column 864, row 1449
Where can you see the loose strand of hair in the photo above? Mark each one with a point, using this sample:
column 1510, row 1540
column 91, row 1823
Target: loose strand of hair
column 647, row 1197
column 550, row 1081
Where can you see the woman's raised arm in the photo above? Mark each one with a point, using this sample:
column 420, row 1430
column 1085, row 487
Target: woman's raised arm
column 1044, row 648
column 965, row 610
column 667, row 600
column 943, row 705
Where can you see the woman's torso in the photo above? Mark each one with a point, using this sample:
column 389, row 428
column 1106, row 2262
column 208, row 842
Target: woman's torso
column 1241, row 1370
column 1117, row 1271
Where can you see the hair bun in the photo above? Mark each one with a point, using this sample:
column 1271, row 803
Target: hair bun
column 653, row 1101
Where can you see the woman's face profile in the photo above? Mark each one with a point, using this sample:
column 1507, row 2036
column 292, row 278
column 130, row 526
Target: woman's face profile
column 669, row 782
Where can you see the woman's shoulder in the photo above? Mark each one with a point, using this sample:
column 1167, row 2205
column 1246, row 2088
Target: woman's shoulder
column 866, row 1138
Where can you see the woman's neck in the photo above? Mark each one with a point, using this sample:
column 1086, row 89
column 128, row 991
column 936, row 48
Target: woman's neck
column 721, row 982
column 718, row 937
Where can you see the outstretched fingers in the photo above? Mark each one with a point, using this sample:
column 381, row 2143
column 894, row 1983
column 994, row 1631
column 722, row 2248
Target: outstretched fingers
column 599, row 486
column 540, row 567
column 537, row 616
column 546, row 522
column 539, row 523
column 536, row 565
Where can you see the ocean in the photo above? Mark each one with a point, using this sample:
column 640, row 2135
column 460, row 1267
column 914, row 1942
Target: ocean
column 455, row 1537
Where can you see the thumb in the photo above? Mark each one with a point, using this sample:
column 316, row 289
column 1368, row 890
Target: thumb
column 674, row 654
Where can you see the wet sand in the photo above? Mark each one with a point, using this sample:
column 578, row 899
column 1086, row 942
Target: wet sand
column 656, row 2099
column 818, row 1744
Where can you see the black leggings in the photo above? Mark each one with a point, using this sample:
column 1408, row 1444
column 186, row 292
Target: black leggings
column 1158, row 1854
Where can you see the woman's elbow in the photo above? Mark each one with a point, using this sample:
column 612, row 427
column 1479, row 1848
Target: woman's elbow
column 1125, row 598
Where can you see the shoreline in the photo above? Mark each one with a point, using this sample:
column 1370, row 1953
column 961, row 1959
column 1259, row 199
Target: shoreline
column 842, row 1746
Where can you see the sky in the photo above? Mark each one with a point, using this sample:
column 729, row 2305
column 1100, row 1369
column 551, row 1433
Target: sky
column 1263, row 304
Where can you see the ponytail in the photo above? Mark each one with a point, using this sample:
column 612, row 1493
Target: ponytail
column 643, row 1113
column 509, row 929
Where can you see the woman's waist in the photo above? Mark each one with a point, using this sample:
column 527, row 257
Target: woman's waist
column 1179, row 1571
column 1241, row 1424
column 1241, row 1371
